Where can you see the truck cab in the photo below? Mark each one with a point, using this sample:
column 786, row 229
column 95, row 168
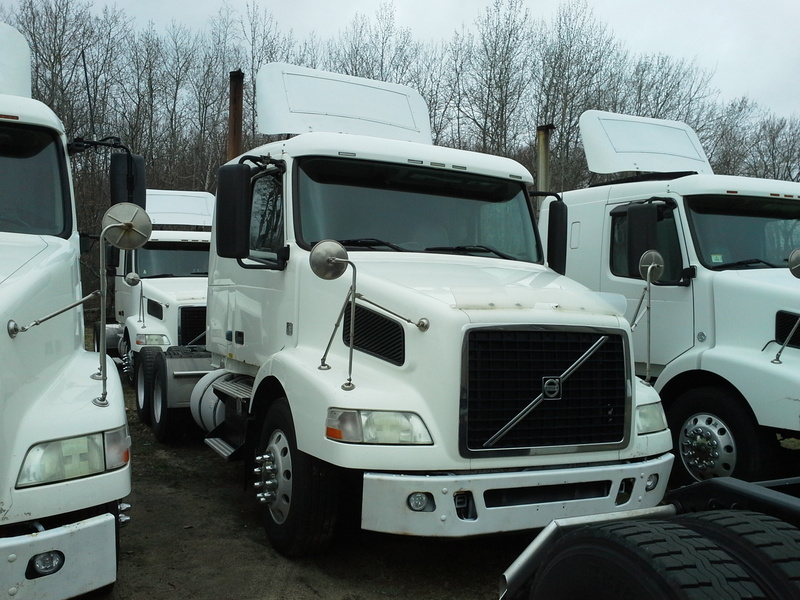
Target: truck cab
column 385, row 340
column 64, row 443
column 719, row 342
column 166, row 304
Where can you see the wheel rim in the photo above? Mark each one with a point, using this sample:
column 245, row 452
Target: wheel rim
column 707, row 448
column 140, row 388
column 157, row 401
column 274, row 484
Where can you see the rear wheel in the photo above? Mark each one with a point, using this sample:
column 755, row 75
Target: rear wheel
column 299, row 493
column 715, row 436
column 143, row 367
column 658, row 560
column 165, row 421
column 768, row 548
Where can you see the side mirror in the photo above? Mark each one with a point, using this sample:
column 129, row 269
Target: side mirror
column 642, row 223
column 232, row 218
column 328, row 259
column 132, row 279
column 128, row 180
column 557, row 237
column 794, row 263
column 132, row 226
column 651, row 266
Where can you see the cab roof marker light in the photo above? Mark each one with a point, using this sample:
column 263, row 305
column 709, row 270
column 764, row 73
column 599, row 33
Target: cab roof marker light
column 459, row 168
column 415, row 161
column 731, row 192
column 347, row 153
column 11, row 117
column 438, row 164
column 512, row 176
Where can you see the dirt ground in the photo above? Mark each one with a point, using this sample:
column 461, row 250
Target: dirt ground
column 195, row 533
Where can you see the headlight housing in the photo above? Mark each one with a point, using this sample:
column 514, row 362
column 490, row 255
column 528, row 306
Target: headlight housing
column 71, row 458
column 376, row 427
column 650, row 418
column 152, row 339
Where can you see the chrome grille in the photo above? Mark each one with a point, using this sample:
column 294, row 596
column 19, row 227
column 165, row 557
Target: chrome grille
column 192, row 324
column 505, row 370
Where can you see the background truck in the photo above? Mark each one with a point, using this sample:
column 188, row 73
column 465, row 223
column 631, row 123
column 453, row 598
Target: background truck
column 384, row 339
column 64, row 443
column 166, row 305
column 722, row 345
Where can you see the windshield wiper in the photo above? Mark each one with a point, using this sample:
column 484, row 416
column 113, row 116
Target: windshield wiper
column 468, row 249
column 743, row 263
column 372, row 243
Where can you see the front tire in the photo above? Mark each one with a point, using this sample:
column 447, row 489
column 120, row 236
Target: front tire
column 658, row 560
column 300, row 493
column 715, row 436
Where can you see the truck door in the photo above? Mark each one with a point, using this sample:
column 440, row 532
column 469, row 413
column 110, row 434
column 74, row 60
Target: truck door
column 672, row 304
column 261, row 313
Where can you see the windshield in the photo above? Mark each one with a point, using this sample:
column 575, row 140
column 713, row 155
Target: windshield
column 165, row 259
column 34, row 194
column 743, row 232
column 390, row 207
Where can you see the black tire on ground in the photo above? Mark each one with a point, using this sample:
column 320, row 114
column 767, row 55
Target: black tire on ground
column 657, row 560
column 143, row 367
column 301, row 516
column 714, row 435
column 165, row 421
column 768, row 548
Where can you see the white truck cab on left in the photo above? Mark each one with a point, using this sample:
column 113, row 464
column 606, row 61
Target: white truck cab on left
column 64, row 442
column 166, row 304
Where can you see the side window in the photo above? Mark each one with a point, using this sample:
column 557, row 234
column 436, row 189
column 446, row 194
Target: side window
column 667, row 242
column 266, row 218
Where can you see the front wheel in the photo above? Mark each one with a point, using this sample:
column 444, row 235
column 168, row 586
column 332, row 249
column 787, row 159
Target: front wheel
column 299, row 493
column 715, row 436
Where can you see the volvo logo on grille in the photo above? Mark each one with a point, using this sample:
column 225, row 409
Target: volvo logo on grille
column 551, row 388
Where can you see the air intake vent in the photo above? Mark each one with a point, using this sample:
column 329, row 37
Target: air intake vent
column 376, row 334
column 784, row 322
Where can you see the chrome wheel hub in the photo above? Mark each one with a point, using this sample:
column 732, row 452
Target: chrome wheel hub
column 707, row 447
column 274, row 477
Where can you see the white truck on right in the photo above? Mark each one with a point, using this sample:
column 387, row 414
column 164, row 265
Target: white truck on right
column 721, row 344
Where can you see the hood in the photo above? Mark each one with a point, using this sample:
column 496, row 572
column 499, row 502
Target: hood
column 176, row 290
column 472, row 284
column 753, row 297
column 16, row 250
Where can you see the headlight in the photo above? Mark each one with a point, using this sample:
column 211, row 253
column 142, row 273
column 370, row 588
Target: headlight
column 152, row 339
column 59, row 460
column 376, row 427
column 650, row 418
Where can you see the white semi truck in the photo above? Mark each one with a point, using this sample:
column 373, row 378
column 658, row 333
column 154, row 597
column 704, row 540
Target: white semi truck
column 384, row 337
column 720, row 342
column 64, row 443
column 166, row 304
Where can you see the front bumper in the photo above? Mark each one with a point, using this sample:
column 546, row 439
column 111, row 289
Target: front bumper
column 89, row 547
column 483, row 503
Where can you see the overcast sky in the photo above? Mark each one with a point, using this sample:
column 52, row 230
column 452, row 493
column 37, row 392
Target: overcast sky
column 752, row 46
